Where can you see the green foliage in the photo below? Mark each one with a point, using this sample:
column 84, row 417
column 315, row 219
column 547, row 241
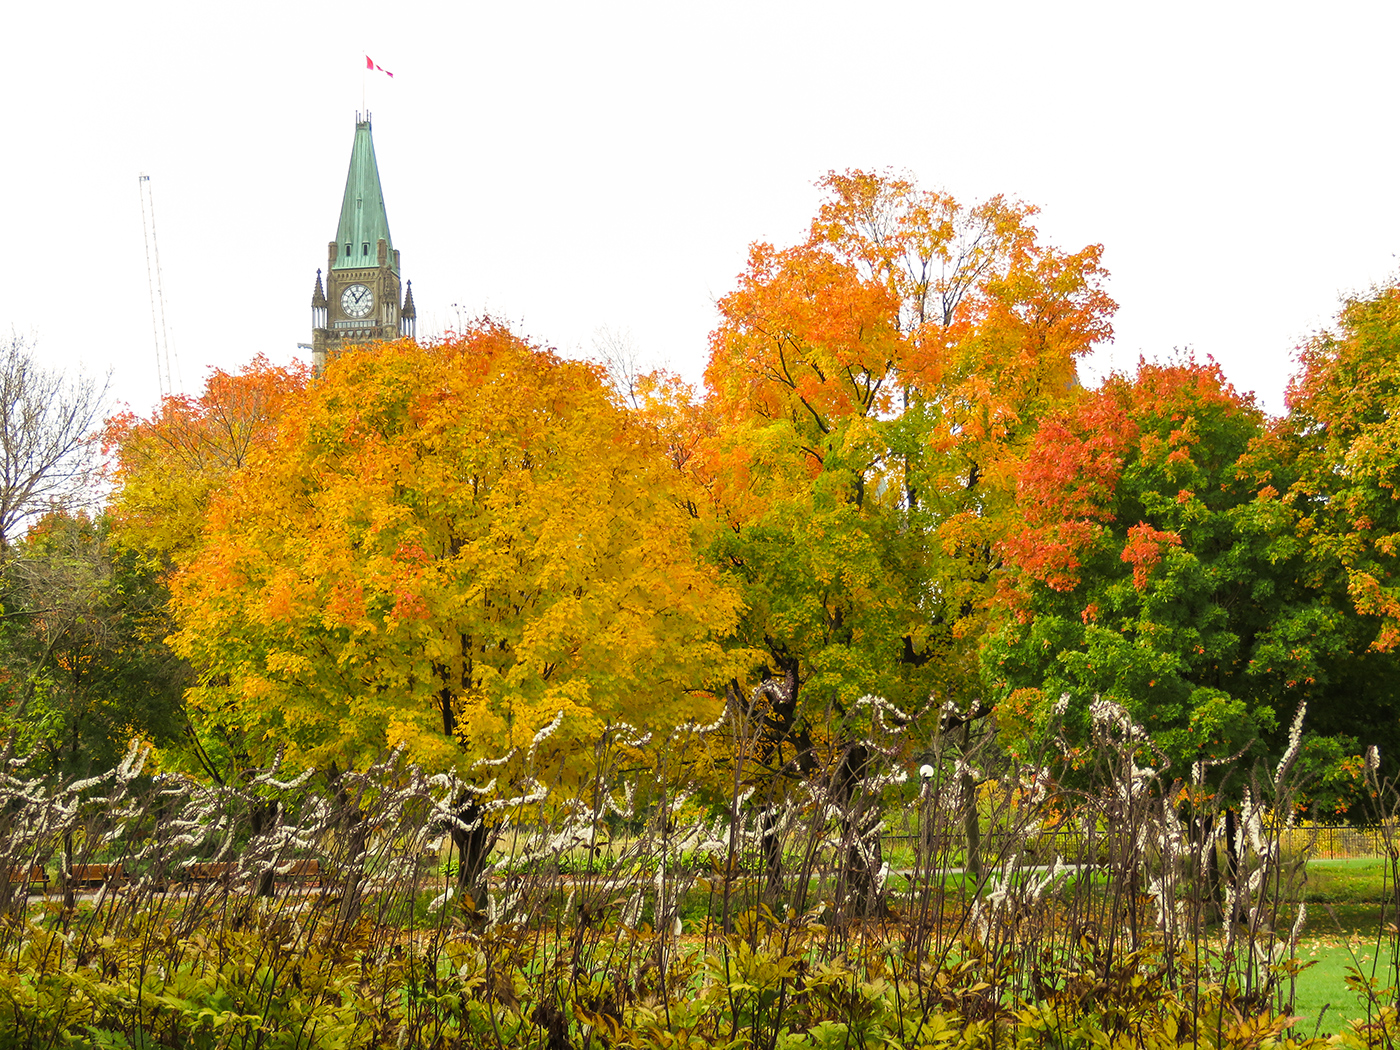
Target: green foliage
column 1157, row 570
column 86, row 664
column 759, row 987
column 222, row 992
column 1340, row 445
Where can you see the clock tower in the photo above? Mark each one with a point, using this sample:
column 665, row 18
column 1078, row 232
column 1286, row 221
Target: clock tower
column 361, row 299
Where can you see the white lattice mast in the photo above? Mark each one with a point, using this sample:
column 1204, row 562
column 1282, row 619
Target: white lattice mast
column 164, row 357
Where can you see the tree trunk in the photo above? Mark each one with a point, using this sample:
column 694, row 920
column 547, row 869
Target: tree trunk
column 1232, row 868
column 771, row 847
column 263, row 819
column 352, row 821
column 354, row 873
column 972, row 827
column 972, row 820
column 860, row 822
column 780, row 724
column 1212, row 894
column 70, row 896
column 779, row 729
column 473, row 844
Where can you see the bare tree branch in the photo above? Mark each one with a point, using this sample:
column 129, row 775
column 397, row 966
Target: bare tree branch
column 47, row 439
column 617, row 352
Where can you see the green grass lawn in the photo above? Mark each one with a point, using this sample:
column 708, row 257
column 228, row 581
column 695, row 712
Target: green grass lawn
column 1361, row 881
column 1322, row 992
column 1346, row 917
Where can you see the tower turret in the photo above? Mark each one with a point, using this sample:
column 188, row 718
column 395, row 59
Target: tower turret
column 408, row 319
column 318, row 305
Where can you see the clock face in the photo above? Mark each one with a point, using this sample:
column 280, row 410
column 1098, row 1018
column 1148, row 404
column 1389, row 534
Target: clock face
column 357, row 301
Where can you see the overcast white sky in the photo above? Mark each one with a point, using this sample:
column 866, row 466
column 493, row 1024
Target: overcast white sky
column 571, row 165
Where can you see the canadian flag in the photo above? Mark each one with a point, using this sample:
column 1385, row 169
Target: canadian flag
column 370, row 64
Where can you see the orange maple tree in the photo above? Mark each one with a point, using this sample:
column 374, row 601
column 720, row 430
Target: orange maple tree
column 168, row 467
column 1342, row 412
column 873, row 389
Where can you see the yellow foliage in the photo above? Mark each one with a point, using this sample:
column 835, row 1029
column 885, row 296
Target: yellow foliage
column 446, row 547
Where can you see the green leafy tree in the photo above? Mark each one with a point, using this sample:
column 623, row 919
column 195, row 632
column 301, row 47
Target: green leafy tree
column 1160, row 569
column 1340, row 444
column 86, row 664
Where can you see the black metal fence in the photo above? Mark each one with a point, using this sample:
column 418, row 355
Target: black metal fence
column 1339, row 841
column 1316, row 841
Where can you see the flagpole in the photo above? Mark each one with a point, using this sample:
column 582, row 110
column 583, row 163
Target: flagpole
column 370, row 66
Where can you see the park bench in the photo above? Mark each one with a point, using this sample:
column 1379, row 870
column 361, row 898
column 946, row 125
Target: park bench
column 33, row 876
column 307, row 872
column 90, row 876
column 210, row 871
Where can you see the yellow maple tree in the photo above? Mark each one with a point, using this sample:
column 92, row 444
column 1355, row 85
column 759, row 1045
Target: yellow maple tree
column 445, row 548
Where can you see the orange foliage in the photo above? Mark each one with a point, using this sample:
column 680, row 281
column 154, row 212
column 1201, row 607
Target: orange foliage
column 873, row 390
column 1342, row 428
column 168, row 467
column 1067, row 488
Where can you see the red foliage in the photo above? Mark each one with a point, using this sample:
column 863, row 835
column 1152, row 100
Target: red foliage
column 1144, row 550
column 1067, row 491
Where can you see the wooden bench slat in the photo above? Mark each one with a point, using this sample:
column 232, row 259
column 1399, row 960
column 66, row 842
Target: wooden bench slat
column 87, row 875
column 210, row 871
column 299, row 869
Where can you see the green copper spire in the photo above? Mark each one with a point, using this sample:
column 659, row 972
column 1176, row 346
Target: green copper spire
column 363, row 220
